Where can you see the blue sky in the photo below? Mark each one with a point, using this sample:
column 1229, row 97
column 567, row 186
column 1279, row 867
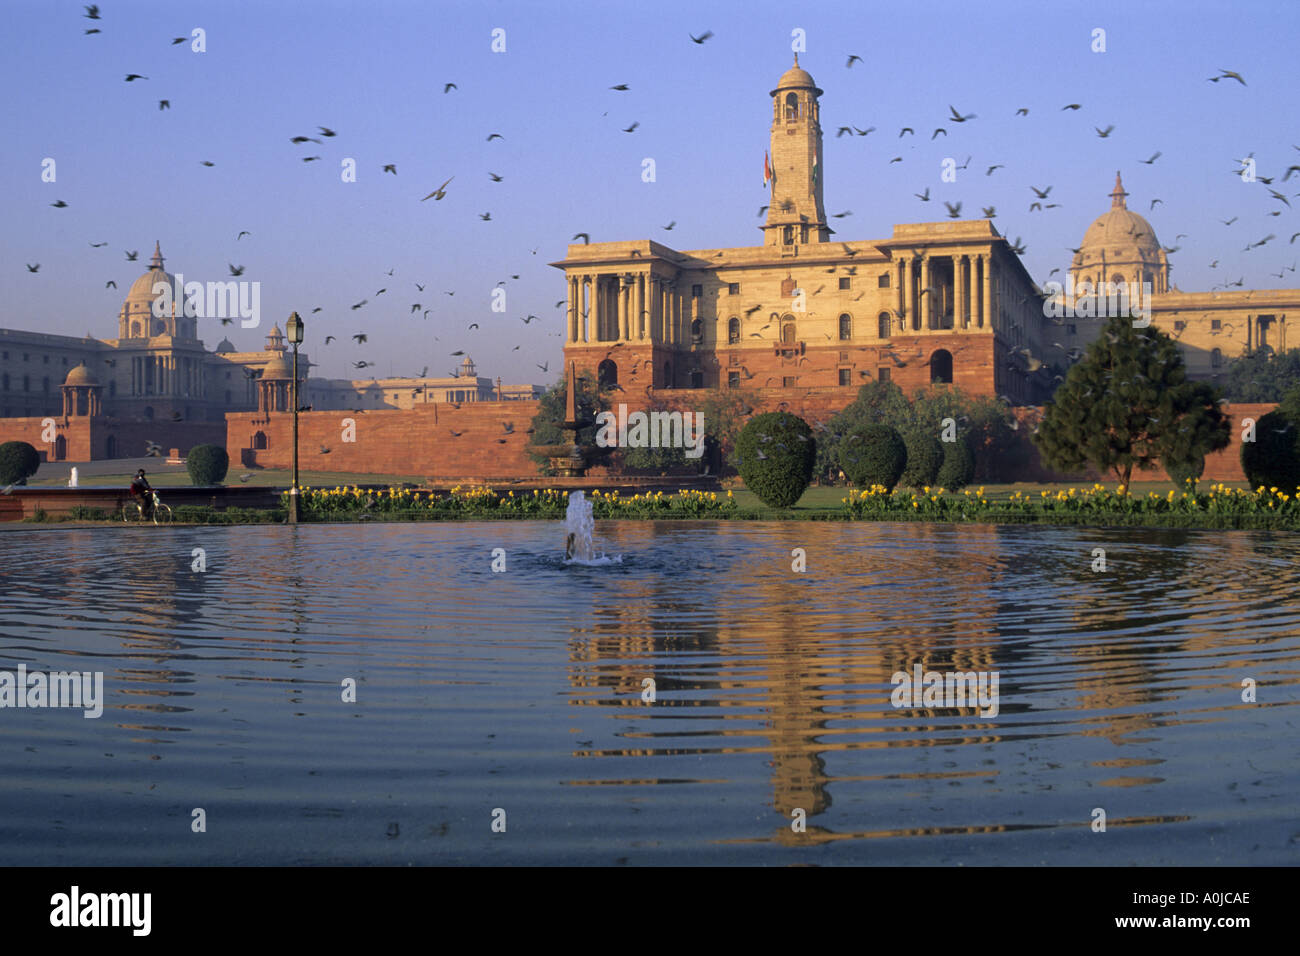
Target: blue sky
column 374, row 72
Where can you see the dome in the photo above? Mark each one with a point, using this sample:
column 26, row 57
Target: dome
column 1120, row 234
column 796, row 78
column 80, row 375
column 225, row 345
column 142, row 289
column 278, row 368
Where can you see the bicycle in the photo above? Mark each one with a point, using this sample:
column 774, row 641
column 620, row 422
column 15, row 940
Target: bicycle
column 134, row 511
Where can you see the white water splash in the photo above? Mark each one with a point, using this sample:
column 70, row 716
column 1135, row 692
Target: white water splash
column 579, row 524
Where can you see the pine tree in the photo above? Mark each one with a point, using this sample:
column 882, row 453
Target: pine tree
column 1129, row 403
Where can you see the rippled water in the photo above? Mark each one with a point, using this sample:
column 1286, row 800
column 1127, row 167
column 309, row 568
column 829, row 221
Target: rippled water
column 522, row 691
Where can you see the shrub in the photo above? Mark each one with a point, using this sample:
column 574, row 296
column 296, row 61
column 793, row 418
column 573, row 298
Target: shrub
column 958, row 468
column 874, row 455
column 924, row 458
column 207, row 464
column 18, row 462
column 1181, row 473
column 775, row 452
column 1273, row 459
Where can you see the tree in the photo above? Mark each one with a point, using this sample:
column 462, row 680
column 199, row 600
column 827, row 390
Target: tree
column 725, row 413
column 1262, row 376
column 874, row 454
column 1129, row 404
column 924, row 457
column 775, row 452
column 18, row 462
column 207, row 464
column 958, row 468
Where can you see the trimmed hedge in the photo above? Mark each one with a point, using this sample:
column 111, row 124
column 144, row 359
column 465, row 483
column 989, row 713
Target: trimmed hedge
column 874, row 454
column 924, row 458
column 207, row 464
column 958, row 468
column 775, row 453
column 1273, row 459
column 18, row 462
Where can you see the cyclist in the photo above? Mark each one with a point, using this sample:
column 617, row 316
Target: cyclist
column 142, row 492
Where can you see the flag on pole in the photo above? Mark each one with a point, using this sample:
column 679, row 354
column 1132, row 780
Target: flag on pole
column 767, row 170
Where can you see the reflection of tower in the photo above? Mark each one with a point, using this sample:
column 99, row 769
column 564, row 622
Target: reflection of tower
column 796, row 215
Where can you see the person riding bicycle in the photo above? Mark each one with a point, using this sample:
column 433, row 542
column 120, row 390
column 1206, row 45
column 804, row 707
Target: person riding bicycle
column 142, row 492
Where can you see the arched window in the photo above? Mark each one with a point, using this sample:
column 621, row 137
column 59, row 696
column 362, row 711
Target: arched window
column 941, row 366
column 1216, row 358
column 846, row 327
column 135, row 330
column 885, row 325
column 787, row 334
column 733, row 331
column 259, row 441
column 60, row 448
column 697, row 331
column 791, row 107
column 607, row 374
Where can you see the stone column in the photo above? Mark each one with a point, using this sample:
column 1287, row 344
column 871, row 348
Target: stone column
column 596, row 310
column 904, row 293
column 956, row 293
column 639, row 324
column 927, row 298
column 570, row 333
column 986, row 317
column 900, row 280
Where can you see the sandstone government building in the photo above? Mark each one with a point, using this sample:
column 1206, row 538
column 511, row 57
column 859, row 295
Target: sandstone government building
column 799, row 322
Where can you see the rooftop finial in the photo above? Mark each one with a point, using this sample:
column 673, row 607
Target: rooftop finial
column 796, row 61
column 157, row 262
column 1117, row 196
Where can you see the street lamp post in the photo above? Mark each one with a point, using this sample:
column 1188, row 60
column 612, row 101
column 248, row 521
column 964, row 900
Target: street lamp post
column 294, row 328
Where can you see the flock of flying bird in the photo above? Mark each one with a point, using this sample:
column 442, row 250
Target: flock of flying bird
column 1042, row 200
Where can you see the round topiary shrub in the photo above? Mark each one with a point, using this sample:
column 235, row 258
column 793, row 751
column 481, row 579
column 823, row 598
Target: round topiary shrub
column 776, row 452
column 958, row 468
column 873, row 455
column 207, row 464
column 1180, row 473
column 924, row 458
column 1273, row 458
column 18, row 462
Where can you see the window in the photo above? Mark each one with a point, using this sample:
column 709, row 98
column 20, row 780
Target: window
column 697, row 332
column 844, row 356
column 733, row 288
column 1216, row 358
column 846, row 282
column 787, row 334
column 1071, row 329
column 882, row 374
column 1216, row 323
column 733, row 359
column 787, row 235
column 846, row 327
column 1179, row 325
column 846, row 376
column 884, row 325
column 733, row 380
column 733, row 331
column 882, row 282
column 791, row 107
column 788, row 381
column 697, row 291
column 697, row 378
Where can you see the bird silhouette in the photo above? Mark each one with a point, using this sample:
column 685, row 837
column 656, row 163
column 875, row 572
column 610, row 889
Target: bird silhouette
column 360, row 338
column 1103, row 133
column 438, row 194
column 110, row 283
column 33, row 268
column 702, row 37
column 632, row 128
column 236, row 270
column 132, row 77
column 59, row 204
column 492, row 136
column 1154, row 156
column 164, row 104
column 958, row 117
column 390, row 168
column 586, row 239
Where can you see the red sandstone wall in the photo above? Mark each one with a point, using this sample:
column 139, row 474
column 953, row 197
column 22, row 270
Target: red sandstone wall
column 87, row 438
column 434, row 441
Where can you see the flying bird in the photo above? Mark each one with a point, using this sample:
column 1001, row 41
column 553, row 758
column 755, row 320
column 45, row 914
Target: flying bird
column 438, row 194
column 242, row 234
column 632, row 128
column 492, row 136
column 620, row 87
column 164, row 104
column 390, row 168
column 132, row 77
column 329, row 339
column 989, row 172
column 110, row 283
column 60, row 204
column 326, row 131
column 906, row 129
column 702, row 37
column 33, row 268
column 495, row 177
column 92, row 12
column 1154, row 156
column 957, row 117
column 297, row 140
column 448, row 87
column 1227, row 75
column 954, row 210
column 586, row 239
column 236, row 270
column 1072, row 106
column 852, row 59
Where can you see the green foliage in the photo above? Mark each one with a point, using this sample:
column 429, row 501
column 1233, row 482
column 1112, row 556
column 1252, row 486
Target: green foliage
column 1273, row 458
column 550, row 414
column 1184, row 472
column 405, row 504
column 725, row 413
column 207, row 464
column 1262, row 376
column 84, row 513
column 874, row 454
column 18, row 462
column 924, row 457
column 1129, row 404
column 958, row 468
column 202, row 514
column 985, row 423
column 776, row 452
